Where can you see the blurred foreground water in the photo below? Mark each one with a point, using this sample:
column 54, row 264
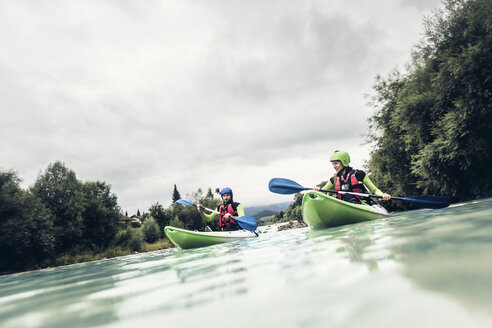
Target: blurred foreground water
column 424, row 268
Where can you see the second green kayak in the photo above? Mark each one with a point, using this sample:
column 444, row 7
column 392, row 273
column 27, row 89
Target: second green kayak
column 193, row 239
column 322, row 211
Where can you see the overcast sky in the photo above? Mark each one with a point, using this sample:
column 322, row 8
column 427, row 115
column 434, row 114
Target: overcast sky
column 151, row 93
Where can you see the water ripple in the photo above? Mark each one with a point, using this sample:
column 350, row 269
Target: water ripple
column 422, row 268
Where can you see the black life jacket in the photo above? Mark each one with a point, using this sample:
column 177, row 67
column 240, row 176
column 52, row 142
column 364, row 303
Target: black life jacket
column 349, row 183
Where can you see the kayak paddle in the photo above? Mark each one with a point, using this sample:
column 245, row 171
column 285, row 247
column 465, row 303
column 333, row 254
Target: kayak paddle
column 286, row 187
column 245, row 222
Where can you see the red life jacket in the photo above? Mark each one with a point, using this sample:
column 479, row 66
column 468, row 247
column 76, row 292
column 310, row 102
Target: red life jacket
column 348, row 184
column 224, row 209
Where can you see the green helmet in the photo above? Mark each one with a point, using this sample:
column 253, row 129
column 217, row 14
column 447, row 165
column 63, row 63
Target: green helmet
column 342, row 156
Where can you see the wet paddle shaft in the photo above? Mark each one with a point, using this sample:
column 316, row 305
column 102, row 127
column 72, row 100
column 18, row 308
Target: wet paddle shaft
column 286, row 186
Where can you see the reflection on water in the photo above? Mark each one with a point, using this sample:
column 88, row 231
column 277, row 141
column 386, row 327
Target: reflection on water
column 422, row 268
column 454, row 259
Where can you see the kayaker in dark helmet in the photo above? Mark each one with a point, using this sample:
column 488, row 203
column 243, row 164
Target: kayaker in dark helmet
column 348, row 179
column 228, row 209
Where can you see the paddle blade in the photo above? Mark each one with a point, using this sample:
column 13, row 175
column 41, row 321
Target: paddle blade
column 184, row 202
column 285, row 186
column 428, row 201
column 247, row 223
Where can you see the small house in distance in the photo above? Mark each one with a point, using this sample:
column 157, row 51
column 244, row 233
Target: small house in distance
column 129, row 219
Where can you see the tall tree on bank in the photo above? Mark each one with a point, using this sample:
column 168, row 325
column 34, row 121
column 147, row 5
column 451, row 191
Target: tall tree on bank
column 101, row 215
column 61, row 193
column 85, row 214
column 158, row 212
column 26, row 226
column 176, row 194
column 432, row 127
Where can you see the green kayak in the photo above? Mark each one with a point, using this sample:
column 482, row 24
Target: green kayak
column 193, row 239
column 322, row 211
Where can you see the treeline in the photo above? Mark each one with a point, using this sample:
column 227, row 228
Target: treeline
column 293, row 212
column 432, row 126
column 58, row 214
column 431, row 129
column 186, row 217
column 61, row 220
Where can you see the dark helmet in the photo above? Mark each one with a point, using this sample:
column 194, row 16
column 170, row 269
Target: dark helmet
column 226, row 190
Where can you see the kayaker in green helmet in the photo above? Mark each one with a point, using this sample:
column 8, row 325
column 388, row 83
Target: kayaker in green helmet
column 348, row 179
column 228, row 209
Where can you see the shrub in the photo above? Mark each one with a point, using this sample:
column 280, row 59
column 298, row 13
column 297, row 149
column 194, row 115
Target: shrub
column 177, row 223
column 132, row 238
column 151, row 230
column 136, row 239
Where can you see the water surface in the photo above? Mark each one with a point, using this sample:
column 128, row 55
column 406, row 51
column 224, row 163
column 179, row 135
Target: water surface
column 423, row 268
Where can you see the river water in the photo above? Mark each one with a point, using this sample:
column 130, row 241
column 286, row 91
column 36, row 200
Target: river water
column 422, row 268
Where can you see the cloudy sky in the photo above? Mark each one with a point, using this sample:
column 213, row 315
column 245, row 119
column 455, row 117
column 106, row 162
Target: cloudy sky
column 145, row 94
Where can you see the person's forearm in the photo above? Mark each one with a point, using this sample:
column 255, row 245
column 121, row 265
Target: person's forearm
column 371, row 186
column 208, row 217
column 328, row 185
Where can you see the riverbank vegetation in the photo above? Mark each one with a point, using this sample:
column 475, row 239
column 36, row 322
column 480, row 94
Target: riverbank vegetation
column 432, row 126
column 61, row 220
column 292, row 212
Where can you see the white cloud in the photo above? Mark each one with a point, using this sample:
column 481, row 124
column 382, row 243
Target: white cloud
column 148, row 94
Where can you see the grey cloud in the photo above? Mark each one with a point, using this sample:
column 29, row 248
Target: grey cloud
column 422, row 5
column 290, row 53
column 145, row 94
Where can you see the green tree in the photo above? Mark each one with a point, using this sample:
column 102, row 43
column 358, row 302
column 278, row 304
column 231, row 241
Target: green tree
column 432, row 128
column 100, row 215
column 151, row 230
column 176, row 194
column 26, row 226
column 210, row 194
column 188, row 215
column 177, row 223
column 132, row 238
column 293, row 212
column 61, row 193
column 160, row 215
column 136, row 239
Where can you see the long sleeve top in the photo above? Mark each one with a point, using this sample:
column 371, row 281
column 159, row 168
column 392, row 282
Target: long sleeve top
column 213, row 216
column 361, row 177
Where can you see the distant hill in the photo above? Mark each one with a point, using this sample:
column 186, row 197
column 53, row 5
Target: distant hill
column 265, row 210
column 263, row 213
